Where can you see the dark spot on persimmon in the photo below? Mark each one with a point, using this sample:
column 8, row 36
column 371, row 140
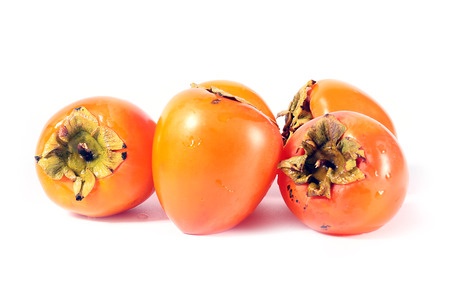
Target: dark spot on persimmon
column 291, row 194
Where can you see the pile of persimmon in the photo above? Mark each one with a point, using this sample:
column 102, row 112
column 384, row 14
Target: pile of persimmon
column 216, row 150
column 342, row 169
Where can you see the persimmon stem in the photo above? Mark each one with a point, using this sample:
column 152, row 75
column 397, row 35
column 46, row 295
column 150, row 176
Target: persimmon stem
column 85, row 152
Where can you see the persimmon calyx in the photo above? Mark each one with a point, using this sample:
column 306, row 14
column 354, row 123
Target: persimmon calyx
column 298, row 112
column 329, row 158
column 81, row 150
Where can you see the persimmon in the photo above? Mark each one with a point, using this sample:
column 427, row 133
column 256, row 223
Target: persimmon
column 214, row 158
column 317, row 98
column 343, row 173
column 94, row 156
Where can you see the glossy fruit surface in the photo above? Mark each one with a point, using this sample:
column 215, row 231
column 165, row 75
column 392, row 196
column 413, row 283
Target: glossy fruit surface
column 343, row 173
column 214, row 160
column 240, row 90
column 94, row 156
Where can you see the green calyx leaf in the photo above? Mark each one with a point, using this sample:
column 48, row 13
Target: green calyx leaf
column 329, row 158
column 82, row 151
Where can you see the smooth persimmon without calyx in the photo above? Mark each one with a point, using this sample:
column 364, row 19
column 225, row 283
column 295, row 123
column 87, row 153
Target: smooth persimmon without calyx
column 215, row 156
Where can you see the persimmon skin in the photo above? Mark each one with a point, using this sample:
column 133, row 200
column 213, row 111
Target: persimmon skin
column 361, row 206
column 214, row 160
column 241, row 90
column 330, row 95
column 131, row 183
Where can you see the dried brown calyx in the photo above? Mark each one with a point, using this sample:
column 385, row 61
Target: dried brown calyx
column 329, row 158
column 298, row 112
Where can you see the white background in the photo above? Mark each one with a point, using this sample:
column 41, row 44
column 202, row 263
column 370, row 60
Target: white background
column 56, row 52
